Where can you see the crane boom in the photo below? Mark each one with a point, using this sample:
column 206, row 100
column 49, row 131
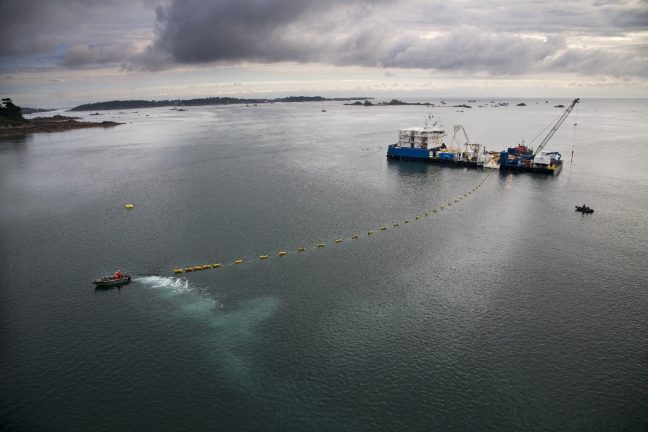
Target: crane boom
column 556, row 126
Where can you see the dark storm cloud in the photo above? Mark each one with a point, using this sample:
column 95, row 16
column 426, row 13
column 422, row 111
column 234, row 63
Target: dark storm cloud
column 195, row 31
column 497, row 37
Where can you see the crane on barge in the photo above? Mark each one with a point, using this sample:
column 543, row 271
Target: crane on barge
column 524, row 159
column 557, row 125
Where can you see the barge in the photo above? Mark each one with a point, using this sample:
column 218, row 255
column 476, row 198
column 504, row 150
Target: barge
column 426, row 144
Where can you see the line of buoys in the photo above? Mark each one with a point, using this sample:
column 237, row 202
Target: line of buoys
column 322, row 244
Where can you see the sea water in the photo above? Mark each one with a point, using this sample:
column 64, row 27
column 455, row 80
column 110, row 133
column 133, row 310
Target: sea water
column 506, row 310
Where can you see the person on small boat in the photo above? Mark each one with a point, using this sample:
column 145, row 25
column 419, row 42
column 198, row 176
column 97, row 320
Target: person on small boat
column 118, row 274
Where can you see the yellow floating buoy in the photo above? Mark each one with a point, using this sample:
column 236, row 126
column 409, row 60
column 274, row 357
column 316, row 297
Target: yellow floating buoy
column 208, row 266
column 434, row 211
column 197, row 268
column 301, row 249
column 217, row 265
column 263, row 256
column 320, row 245
column 355, row 236
column 238, row 261
column 396, row 224
column 176, row 271
column 188, row 269
column 383, row 228
column 417, row 217
column 406, row 220
column 427, row 213
column 282, row 253
column 338, row 240
column 129, row 206
column 369, row 232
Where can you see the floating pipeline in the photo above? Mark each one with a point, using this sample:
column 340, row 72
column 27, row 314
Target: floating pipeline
column 371, row 232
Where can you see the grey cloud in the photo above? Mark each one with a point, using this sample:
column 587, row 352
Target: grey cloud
column 603, row 62
column 82, row 55
column 195, row 31
column 470, row 50
column 635, row 17
column 472, row 36
column 32, row 27
column 497, row 37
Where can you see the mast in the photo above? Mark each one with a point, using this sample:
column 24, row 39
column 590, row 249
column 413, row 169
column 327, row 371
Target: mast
column 556, row 126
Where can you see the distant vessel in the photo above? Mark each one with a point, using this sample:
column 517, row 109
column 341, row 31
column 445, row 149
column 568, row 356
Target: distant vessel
column 584, row 209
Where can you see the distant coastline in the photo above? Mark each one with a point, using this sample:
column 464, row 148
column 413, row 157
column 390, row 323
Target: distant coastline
column 396, row 102
column 132, row 104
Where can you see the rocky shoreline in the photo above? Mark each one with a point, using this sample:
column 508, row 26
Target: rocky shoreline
column 56, row 123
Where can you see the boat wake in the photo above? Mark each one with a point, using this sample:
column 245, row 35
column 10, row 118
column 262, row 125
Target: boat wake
column 180, row 287
column 230, row 333
column 176, row 285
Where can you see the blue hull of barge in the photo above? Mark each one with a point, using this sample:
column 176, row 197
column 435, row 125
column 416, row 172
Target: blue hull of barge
column 424, row 155
column 408, row 153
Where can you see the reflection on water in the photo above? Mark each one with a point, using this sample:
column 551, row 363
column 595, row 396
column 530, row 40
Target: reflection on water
column 14, row 143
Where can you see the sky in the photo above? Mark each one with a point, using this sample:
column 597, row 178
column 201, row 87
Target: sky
column 60, row 53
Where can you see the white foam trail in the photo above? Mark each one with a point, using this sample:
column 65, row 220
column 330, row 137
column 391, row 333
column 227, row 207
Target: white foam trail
column 176, row 285
column 172, row 286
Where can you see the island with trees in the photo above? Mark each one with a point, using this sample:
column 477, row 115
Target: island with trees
column 12, row 121
column 136, row 104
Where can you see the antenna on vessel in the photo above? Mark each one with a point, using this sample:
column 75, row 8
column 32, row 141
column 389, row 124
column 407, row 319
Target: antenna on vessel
column 574, row 138
column 428, row 120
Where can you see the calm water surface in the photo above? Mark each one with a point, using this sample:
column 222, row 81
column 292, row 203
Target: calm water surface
column 505, row 311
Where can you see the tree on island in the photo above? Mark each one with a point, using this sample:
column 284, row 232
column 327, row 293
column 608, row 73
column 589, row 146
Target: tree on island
column 10, row 111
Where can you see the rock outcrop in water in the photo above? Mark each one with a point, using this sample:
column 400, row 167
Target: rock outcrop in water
column 393, row 102
column 57, row 123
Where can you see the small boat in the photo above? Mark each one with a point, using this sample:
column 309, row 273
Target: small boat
column 584, row 209
column 117, row 279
